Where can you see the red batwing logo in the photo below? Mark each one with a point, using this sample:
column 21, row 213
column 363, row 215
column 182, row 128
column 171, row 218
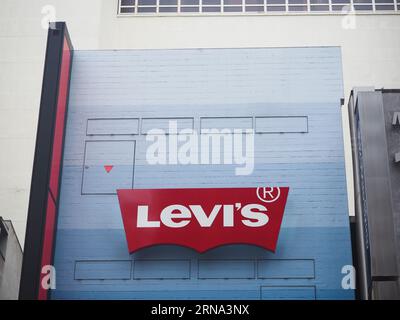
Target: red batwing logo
column 202, row 219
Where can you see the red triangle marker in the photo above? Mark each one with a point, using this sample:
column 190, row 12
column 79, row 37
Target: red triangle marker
column 108, row 168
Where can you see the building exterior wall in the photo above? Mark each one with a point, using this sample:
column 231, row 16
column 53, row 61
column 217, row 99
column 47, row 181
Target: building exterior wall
column 92, row 260
column 373, row 123
column 370, row 53
column 391, row 103
column 390, row 289
column 10, row 262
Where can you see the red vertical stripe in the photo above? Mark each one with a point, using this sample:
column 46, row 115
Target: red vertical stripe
column 60, row 120
column 55, row 170
column 47, row 241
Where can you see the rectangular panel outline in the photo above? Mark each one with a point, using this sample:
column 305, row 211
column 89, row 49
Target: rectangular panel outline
column 130, row 270
column 279, row 132
column 290, row 286
column 111, row 134
column 165, row 118
column 235, row 117
column 162, row 260
column 84, row 160
column 231, row 278
column 259, row 260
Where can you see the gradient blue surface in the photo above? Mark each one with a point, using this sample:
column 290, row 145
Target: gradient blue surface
column 205, row 87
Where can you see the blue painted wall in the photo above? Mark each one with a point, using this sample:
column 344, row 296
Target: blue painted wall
column 303, row 150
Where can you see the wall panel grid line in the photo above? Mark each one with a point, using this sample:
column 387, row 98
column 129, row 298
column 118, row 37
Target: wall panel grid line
column 288, row 292
column 162, row 269
column 99, row 126
column 97, row 270
column 227, row 123
column 207, row 269
column 166, row 119
column 234, row 7
column 283, row 124
column 299, row 269
column 226, row 269
column 137, row 126
column 100, row 183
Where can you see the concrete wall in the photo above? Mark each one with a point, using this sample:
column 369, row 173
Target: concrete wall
column 370, row 53
column 10, row 269
column 391, row 104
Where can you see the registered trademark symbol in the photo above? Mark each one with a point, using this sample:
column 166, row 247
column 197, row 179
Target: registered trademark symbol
column 268, row 194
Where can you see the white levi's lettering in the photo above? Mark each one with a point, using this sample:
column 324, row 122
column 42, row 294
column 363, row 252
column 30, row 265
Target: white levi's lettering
column 201, row 216
column 260, row 217
column 143, row 218
column 175, row 211
column 228, row 216
column 179, row 216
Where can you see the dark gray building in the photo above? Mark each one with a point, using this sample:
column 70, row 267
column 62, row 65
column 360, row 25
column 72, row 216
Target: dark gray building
column 10, row 261
column 375, row 129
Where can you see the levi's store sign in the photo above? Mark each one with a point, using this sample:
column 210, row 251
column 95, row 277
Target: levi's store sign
column 202, row 219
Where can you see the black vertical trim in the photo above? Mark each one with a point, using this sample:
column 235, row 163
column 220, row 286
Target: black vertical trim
column 30, row 274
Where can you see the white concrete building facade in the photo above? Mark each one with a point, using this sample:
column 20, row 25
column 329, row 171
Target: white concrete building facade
column 369, row 42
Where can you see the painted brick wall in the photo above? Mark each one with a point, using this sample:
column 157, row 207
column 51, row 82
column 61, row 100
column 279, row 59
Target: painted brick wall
column 302, row 87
